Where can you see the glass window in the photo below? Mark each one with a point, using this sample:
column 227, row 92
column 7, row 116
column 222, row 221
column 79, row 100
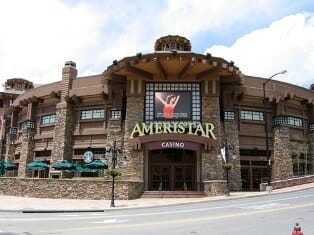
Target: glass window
column 116, row 114
column 294, row 121
column 48, row 119
column 92, row 114
column 229, row 115
column 252, row 115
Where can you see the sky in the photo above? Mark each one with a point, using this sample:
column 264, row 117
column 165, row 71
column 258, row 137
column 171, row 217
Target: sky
column 262, row 37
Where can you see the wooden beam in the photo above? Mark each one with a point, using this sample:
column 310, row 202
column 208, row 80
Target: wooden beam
column 208, row 72
column 184, row 70
column 142, row 73
column 117, row 77
column 161, row 69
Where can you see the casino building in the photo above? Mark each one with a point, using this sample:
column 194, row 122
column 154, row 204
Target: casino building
column 179, row 118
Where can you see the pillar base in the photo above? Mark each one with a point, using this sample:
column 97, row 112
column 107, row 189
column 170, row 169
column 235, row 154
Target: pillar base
column 269, row 189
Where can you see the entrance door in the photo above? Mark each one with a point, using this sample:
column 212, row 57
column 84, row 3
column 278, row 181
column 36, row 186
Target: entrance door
column 172, row 169
column 161, row 178
column 183, row 179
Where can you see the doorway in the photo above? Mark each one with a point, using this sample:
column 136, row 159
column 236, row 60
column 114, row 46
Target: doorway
column 172, row 170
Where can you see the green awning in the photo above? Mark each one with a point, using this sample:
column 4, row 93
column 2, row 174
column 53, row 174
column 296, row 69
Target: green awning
column 36, row 165
column 81, row 169
column 64, row 165
column 96, row 165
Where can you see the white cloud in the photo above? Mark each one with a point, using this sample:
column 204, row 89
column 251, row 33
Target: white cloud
column 286, row 44
column 37, row 37
column 188, row 17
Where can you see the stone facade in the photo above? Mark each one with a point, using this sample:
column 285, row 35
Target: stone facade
column 62, row 145
column 134, row 114
column 211, row 164
column 27, row 152
column 97, row 189
column 288, row 182
column 311, row 152
column 215, row 187
column 282, row 167
column 231, row 135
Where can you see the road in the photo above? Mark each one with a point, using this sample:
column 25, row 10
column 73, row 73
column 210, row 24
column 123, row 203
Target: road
column 270, row 214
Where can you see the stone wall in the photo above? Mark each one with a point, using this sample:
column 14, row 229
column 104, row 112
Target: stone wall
column 282, row 167
column 214, row 187
column 69, row 188
column 289, row 182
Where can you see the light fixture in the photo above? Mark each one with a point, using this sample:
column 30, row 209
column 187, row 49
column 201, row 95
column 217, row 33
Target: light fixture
column 268, row 160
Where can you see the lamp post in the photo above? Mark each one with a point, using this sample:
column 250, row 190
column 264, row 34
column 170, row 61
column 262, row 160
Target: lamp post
column 113, row 172
column 225, row 155
column 268, row 188
column 114, row 158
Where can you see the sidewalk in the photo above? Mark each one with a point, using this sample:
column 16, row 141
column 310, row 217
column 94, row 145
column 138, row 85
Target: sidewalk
column 26, row 204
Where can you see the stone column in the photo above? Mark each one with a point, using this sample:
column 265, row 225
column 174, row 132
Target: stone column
column 114, row 131
column 310, row 155
column 134, row 114
column 232, row 136
column 62, row 145
column 211, row 164
column 27, row 152
column 282, row 167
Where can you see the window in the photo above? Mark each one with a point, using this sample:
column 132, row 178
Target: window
column 92, row 114
column 288, row 120
column 48, row 119
column 116, row 114
column 294, row 121
column 252, row 115
column 229, row 115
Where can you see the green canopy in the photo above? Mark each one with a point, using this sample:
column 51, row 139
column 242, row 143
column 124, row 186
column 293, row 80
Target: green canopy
column 64, row 165
column 9, row 166
column 2, row 168
column 36, row 165
column 81, row 169
column 96, row 165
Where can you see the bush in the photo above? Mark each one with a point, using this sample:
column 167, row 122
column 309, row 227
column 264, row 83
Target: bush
column 114, row 172
column 227, row 166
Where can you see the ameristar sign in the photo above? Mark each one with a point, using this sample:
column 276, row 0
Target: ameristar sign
column 189, row 128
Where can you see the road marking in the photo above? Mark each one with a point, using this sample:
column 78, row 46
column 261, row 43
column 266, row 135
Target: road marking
column 264, row 206
column 179, row 221
column 109, row 221
column 72, row 215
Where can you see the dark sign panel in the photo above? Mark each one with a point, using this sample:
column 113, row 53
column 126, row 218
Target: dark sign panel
column 172, row 105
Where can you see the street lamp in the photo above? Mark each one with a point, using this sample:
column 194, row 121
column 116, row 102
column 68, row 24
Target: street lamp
column 114, row 151
column 224, row 151
column 269, row 188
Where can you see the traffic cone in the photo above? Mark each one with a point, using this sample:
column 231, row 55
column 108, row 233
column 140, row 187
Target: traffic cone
column 297, row 230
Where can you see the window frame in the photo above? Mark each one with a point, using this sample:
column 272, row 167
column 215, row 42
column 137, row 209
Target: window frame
column 50, row 117
column 92, row 114
column 250, row 115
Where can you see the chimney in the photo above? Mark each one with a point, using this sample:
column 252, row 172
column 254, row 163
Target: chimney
column 69, row 72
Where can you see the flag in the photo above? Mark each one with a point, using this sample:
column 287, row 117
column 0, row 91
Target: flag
column 223, row 153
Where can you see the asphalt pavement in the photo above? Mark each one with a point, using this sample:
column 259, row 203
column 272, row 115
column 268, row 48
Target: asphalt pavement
column 27, row 204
